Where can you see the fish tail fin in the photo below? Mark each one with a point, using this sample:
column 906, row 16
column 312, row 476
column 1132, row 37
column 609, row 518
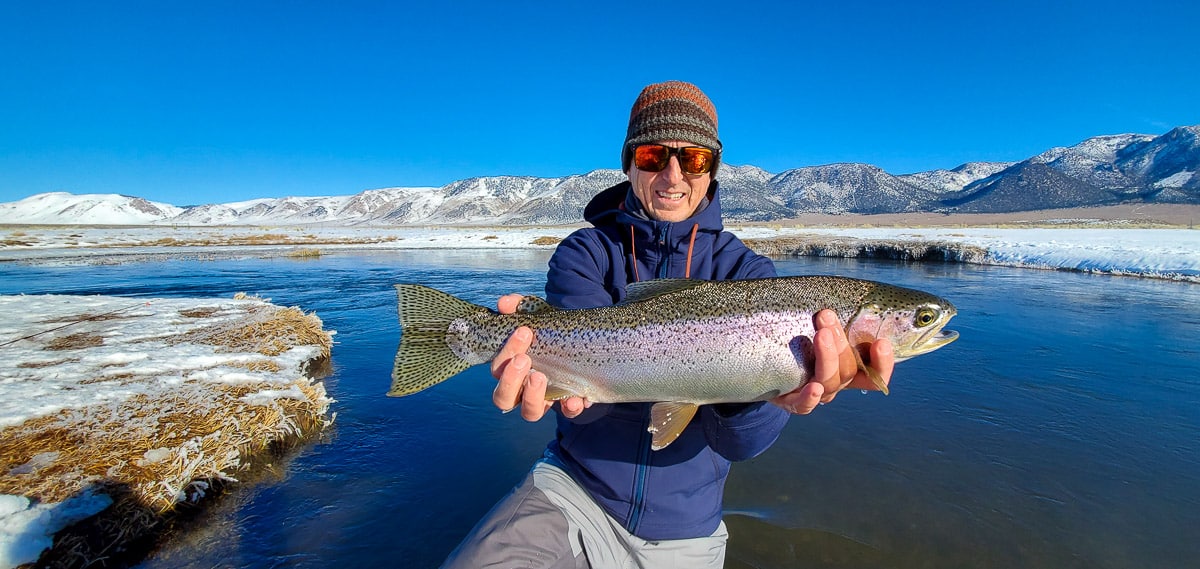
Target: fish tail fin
column 424, row 359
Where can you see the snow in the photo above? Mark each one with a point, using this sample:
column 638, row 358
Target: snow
column 1149, row 252
column 26, row 529
column 140, row 354
column 53, row 207
column 1176, row 180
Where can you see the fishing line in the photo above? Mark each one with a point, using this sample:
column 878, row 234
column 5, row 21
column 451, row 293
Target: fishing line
column 72, row 324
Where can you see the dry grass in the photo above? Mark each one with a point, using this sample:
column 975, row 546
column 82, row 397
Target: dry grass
column 243, row 240
column 547, row 240
column 846, row 247
column 267, row 332
column 204, row 312
column 75, row 342
column 166, row 447
column 48, row 363
column 304, row 253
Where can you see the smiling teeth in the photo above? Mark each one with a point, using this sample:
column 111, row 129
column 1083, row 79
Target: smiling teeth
column 671, row 196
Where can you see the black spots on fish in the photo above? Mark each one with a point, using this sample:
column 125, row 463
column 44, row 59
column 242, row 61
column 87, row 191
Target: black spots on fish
column 533, row 304
column 805, row 354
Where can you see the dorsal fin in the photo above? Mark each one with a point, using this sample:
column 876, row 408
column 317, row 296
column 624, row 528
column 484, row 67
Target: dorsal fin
column 639, row 291
column 533, row 305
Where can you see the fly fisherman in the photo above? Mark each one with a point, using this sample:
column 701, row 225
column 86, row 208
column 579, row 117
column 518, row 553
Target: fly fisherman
column 600, row 497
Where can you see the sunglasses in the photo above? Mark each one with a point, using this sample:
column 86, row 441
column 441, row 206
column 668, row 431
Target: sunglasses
column 655, row 157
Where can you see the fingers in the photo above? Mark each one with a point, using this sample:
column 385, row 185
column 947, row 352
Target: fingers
column 511, row 366
column 507, row 304
column 533, row 397
column 883, row 360
column 518, row 384
column 835, row 365
column 571, row 407
column 511, row 377
column 803, row 400
column 518, row 343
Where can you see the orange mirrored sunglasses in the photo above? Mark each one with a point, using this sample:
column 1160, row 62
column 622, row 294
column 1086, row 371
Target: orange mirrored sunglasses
column 655, row 157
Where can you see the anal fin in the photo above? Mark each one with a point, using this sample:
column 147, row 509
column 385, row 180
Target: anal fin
column 556, row 393
column 668, row 420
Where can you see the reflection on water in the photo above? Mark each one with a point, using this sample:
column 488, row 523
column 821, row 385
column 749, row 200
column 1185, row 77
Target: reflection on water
column 1059, row 431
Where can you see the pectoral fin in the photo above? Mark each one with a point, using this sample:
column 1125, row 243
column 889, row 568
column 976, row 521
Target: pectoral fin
column 870, row 371
column 667, row 421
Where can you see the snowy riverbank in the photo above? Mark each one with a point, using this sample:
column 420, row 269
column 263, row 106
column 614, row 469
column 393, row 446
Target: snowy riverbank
column 141, row 404
column 1156, row 252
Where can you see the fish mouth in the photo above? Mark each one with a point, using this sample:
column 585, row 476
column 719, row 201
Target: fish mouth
column 931, row 341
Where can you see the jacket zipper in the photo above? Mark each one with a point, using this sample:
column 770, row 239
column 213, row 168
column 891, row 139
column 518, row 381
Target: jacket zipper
column 639, row 484
column 643, row 464
column 664, row 260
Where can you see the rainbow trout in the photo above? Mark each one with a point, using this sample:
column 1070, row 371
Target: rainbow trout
column 677, row 342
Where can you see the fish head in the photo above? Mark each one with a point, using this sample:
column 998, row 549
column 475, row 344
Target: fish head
column 911, row 319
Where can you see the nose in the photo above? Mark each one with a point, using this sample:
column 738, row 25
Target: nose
column 674, row 171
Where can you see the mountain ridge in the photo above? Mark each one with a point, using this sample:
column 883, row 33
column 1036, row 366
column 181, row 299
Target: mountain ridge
column 1101, row 170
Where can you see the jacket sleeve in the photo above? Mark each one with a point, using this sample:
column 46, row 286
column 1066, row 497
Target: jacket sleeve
column 756, row 267
column 575, row 278
column 741, row 431
column 737, row 261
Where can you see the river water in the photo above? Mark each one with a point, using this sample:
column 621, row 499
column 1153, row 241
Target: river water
column 1061, row 430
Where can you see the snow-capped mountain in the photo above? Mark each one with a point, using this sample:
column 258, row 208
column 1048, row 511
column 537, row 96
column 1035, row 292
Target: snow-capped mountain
column 89, row 209
column 945, row 181
column 1098, row 171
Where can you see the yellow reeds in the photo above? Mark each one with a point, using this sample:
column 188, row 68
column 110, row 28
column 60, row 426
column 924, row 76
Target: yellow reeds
column 177, row 440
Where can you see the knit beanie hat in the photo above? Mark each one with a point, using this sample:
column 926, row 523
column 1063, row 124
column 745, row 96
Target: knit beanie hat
column 673, row 110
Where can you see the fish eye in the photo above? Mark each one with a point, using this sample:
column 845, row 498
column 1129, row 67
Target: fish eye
column 925, row 317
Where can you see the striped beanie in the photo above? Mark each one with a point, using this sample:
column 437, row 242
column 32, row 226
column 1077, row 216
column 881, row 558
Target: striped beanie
column 672, row 110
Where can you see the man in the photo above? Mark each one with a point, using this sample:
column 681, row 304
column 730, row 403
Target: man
column 601, row 497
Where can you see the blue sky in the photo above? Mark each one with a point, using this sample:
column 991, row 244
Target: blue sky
column 211, row 102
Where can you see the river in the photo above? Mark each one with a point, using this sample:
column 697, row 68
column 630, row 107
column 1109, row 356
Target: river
column 1060, row 430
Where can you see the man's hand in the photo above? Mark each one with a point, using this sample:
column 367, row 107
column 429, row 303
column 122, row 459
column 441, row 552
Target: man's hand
column 519, row 384
column 836, row 368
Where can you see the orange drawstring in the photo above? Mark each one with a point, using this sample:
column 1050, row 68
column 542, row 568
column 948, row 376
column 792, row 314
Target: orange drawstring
column 633, row 255
column 687, row 269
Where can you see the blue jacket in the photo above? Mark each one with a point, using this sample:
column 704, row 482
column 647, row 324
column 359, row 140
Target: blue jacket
column 676, row 492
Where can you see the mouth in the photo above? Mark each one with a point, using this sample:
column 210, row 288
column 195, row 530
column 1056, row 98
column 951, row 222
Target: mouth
column 930, row 342
column 669, row 196
column 927, row 343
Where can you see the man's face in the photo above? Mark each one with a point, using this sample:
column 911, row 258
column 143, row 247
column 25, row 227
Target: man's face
column 672, row 194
